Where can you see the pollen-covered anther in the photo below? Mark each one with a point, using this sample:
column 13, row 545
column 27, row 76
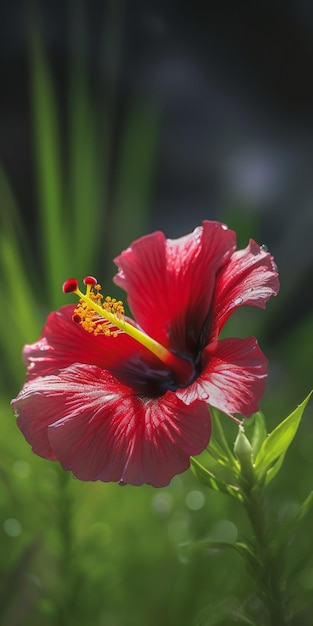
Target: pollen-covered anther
column 114, row 306
column 105, row 316
column 95, row 315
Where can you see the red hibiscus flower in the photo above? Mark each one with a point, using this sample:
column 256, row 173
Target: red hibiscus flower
column 115, row 399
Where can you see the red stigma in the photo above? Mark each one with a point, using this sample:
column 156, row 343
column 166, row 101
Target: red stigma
column 90, row 280
column 70, row 285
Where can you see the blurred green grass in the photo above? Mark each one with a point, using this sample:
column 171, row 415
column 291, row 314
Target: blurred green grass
column 75, row 553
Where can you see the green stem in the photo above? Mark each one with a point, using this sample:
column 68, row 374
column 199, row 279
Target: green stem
column 268, row 576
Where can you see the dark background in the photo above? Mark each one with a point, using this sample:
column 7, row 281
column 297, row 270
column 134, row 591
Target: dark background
column 231, row 86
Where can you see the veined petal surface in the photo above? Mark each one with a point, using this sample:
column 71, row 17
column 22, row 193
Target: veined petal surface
column 232, row 379
column 250, row 277
column 100, row 430
column 170, row 283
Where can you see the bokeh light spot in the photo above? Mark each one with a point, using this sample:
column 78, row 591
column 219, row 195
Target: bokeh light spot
column 178, row 529
column 195, row 500
column 225, row 530
column 162, row 504
column 22, row 469
column 12, row 527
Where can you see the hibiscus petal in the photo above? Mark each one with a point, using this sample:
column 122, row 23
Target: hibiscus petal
column 250, row 277
column 170, row 282
column 64, row 342
column 233, row 377
column 97, row 428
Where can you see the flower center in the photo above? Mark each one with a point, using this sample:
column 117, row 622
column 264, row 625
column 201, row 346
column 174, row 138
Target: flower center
column 100, row 315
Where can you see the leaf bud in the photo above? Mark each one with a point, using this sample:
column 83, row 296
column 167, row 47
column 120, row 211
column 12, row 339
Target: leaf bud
column 243, row 452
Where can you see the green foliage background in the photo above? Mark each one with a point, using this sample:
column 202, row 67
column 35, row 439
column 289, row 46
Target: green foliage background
column 75, row 553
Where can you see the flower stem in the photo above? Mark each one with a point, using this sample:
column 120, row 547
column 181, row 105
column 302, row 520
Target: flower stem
column 268, row 575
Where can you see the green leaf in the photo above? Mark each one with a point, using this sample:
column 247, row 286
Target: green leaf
column 48, row 153
column 306, row 507
column 210, row 480
column 293, row 526
column 218, row 446
column 86, row 167
column 306, row 557
column 135, row 174
column 259, row 432
column 228, row 611
column 240, row 547
column 279, row 440
column 271, row 473
column 19, row 318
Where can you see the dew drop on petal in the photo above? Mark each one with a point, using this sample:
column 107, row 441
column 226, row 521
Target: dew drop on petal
column 203, row 395
column 238, row 301
column 224, row 227
column 264, row 247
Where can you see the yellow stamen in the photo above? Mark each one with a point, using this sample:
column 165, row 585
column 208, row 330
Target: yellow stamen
column 106, row 316
column 112, row 311
column 90, row 303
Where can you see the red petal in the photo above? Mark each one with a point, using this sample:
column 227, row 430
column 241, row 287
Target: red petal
column 64, row 342
column 170, row 282
column 97, row 428
column 233, row 377
column 250, row 277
